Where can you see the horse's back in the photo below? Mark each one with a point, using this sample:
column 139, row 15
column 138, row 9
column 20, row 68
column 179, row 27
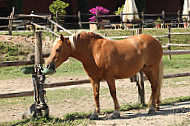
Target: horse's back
column 124, row 58
column 151, row 49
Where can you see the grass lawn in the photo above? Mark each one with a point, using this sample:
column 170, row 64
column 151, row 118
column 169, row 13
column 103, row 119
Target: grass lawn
column 178, row 64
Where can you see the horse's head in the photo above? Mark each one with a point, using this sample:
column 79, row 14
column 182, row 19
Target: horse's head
column 60, row 52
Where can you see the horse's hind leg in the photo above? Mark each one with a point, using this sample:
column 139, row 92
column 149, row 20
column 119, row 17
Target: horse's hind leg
column 96, row 87
column 111, row 84
column 152, row 73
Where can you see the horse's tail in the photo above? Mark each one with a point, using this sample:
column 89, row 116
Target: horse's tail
column 159, row 81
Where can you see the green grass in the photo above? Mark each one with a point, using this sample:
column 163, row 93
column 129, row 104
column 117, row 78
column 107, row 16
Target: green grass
column 178, row 64
column 73, row 67
column 11, row 52
column 81, row 118
column 51, row 121
column 30, row 33
column 182, row 39
column 184, row 123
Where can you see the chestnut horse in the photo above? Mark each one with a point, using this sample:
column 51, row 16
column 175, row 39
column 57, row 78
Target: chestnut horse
column 109, row 60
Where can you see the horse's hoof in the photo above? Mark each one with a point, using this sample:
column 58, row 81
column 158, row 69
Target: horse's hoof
column 157, row 108
column 151, row 111
column 94, row 116
column 116, row 114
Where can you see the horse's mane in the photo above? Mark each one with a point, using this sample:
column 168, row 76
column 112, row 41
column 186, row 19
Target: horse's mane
column 84, row 34
column 89, row 34
column 94, row 35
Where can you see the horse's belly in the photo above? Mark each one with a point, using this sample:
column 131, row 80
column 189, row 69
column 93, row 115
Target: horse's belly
column 128, row 70
column 126, row 74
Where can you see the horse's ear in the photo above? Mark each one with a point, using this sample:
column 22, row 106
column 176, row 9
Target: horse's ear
column 62, row 38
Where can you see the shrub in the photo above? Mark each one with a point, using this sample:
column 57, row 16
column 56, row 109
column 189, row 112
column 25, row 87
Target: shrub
column 58, row 6
column 98, row 9
column 119, row 10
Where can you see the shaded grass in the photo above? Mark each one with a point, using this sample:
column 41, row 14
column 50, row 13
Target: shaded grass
column 51, row 121
column 81, row 118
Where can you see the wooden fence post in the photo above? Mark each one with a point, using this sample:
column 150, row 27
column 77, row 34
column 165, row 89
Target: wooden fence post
column 52, row 26
column 97, row 20
column 38, row 63
column 163, row 18
column 140, row 81
column 79, row 17
column 142, row 16
column 38, row 48
column 178, row 18
column 57, row 21
column 169, row 41
column 121, row 18
column 140, row 85
column 11, row 21
column 33, row 27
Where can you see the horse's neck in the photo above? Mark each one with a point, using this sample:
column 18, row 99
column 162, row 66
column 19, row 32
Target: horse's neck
column 81, row 52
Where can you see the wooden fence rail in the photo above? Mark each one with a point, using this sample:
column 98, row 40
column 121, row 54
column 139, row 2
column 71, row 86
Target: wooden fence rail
column 16, row 63
column 71, row 83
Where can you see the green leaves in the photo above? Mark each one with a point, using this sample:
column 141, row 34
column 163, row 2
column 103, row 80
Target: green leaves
column 119, row 10
column 58, row 6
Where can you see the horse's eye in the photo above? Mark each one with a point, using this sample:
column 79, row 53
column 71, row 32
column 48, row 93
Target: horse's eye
column 57, row 50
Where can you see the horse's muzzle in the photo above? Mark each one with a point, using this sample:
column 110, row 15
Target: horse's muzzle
column 49, row 68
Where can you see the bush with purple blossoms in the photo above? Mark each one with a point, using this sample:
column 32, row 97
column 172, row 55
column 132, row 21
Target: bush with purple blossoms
column 98, row 9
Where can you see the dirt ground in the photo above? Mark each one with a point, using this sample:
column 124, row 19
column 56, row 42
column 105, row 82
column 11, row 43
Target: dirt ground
column 27, row 42
column 127, row 93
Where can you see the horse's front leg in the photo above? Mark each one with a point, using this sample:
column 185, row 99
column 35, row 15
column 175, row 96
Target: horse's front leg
column 111, row 84
column 96, row 87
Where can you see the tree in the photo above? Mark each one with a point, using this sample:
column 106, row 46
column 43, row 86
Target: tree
column 58, row 6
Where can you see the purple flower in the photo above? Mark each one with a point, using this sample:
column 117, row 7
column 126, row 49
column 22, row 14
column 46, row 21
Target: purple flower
column 98, row 9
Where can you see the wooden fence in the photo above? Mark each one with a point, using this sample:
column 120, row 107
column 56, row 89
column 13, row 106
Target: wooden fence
column 140, row 81
column 29, row 21
column 167, row 20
